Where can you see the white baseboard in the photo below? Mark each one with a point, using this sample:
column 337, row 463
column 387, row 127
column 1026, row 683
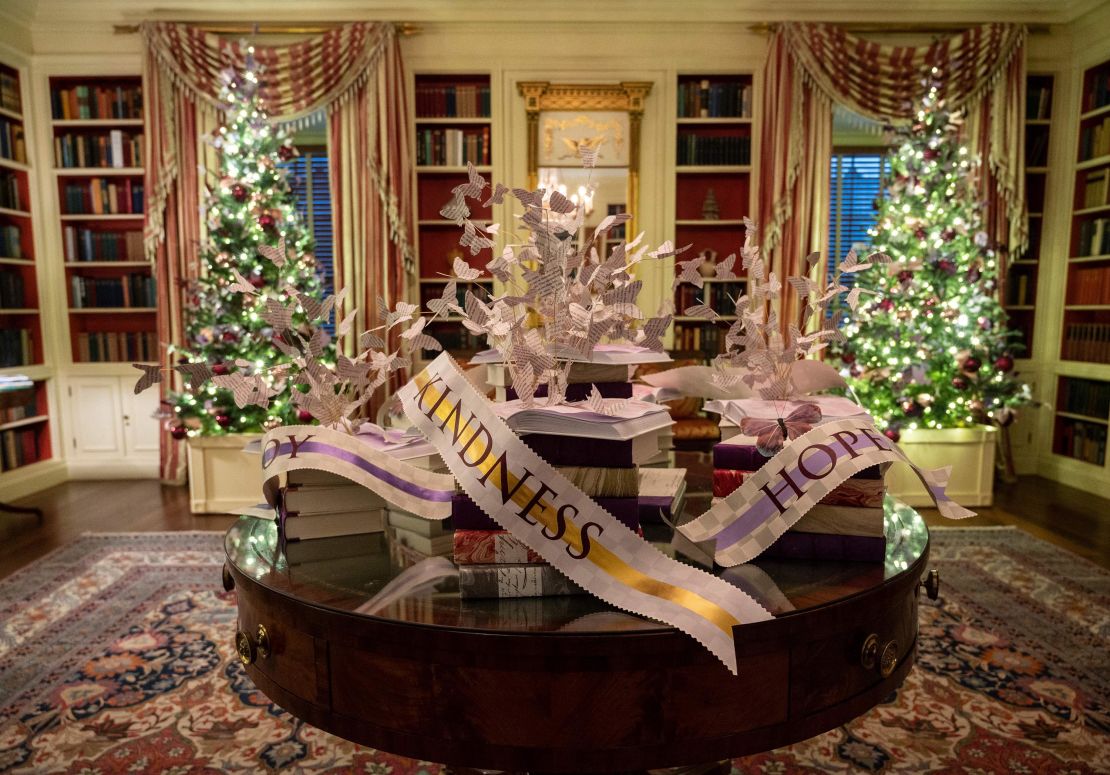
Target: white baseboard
column 121, row 469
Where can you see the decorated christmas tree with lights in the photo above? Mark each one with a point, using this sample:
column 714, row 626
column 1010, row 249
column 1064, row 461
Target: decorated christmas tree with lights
column 228, row 333
column 932, row 349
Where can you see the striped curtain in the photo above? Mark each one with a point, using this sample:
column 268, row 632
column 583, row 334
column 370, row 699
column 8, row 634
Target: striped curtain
column 812, row 66
column 353, row 74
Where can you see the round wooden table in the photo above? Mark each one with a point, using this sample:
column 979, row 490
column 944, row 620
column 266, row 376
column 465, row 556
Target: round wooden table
column 567, row 684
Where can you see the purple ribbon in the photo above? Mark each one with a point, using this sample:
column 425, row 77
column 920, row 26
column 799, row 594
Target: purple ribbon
column 336, row 453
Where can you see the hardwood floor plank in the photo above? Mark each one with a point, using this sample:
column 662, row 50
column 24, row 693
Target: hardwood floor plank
column 1070, row 518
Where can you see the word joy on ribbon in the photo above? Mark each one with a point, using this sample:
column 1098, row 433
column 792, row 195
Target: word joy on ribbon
column 529, row 498
column 294, row 447
column 788, row 485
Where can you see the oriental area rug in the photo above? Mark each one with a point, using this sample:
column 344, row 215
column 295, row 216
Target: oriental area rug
column 115, row 657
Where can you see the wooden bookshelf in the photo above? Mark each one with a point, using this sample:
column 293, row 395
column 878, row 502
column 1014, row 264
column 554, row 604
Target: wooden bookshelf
column 97, row 137
column 24, row 428
column 713, row 193
column 1081, row 411
column 453, row 126
column 1019, row 291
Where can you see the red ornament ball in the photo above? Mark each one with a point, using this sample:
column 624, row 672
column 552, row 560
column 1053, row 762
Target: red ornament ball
column 892, row 434
column 905, row 276
column 920, row 233
column 229, row 336
column 223, row 420
column 946, row 266
column 256, row 280
column 179, row 432
column 266, row 221
column 848, row 358
column 972, row 365
column 912, row 409
column 239, row 192
column 930, row 153
column 304, row 415
column 286, row 152
column 1004, row 363
column 219, row 369
column 960, row 383
column 886, row 305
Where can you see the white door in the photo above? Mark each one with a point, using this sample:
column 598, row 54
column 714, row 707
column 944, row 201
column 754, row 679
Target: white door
column 140, row 428
column 95, row 428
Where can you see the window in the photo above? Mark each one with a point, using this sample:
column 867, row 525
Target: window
column 857, row 181
column 308, row 178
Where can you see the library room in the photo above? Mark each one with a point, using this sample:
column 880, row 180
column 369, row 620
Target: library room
column 447, row 387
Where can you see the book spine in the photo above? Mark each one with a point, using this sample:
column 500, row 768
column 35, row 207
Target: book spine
column 489, row 547
column 505, row 581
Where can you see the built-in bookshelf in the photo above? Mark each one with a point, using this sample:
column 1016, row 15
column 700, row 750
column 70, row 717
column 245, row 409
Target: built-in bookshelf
column 1082, row 406
column 24, row 427
column 1019, row 294
column 97, row 135
column 713, row 194
column 453, row 127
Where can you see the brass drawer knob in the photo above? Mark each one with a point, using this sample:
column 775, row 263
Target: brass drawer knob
column 931, row 582
column 888, row 660
column 263, row 638
column 244, row 647
column 869, row 654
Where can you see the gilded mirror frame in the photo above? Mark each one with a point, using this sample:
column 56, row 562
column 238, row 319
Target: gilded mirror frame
column 627, row 96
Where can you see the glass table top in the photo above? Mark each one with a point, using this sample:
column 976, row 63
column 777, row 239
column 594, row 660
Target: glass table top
column 360, row 574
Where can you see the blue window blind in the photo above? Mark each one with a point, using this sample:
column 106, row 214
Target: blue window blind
column 308, row 178
column 856, row 182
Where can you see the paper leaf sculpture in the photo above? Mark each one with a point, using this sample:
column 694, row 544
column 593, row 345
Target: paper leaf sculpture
column 564, row 298
column 756, row 351
column 334, row 394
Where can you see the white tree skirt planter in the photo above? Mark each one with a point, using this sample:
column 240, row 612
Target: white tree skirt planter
column 222, row 477
column 970, row 452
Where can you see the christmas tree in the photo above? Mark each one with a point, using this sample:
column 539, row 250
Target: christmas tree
column 931, row 348
column 250, row 207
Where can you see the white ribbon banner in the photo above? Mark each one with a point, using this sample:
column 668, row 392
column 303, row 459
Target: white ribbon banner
column 295, row 447
column 528, row 497
column 776, row 496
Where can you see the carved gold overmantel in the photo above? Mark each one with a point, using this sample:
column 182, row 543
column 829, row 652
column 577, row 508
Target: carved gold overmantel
column 626, row 96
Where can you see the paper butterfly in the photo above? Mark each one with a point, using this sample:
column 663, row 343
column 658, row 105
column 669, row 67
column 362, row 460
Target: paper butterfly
column 771, row 434
column 151, row 375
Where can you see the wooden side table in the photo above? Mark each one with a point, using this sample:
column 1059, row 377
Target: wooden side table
column 567, row 684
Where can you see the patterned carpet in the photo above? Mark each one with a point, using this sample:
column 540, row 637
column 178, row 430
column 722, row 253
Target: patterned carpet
column 114, row 658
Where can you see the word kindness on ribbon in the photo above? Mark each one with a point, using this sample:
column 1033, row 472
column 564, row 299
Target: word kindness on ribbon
column 294, row 447
column 793, row 481
column 528, row 497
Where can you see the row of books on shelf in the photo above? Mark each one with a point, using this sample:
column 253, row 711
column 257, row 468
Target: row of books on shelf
column 12, row 142
column 92, row 245
column 10, row 98
column 11, row 242
column 1036, row 147
column 1096, row 188
column 1021, row 289
column 11, row 289
column 19, row 447
column 101, row 196
column 134, row 290
column 1038, row 102
column 20, row 411
column 1094, row 237
column 452, row 101
column 699, row 149
column 452, row 147
column 455, row 339
column 708, row 99
column 115, row 346
column 1086, row 396
column 1086, row 342
column 1083, row 441
column 702, row 337
column 719, row 296
column 114, row 149
column 103, row 102
column 1089, row 284
column 16, row 347
column 1094, row 140
column 1098, row 95
column 9, row 192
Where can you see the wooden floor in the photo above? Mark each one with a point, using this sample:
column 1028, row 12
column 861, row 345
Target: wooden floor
column 1070, row 518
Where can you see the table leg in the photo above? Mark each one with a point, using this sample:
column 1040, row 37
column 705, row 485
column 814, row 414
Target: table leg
column 22, row 510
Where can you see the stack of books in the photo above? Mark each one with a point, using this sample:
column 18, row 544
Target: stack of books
column 319, row 504
column 847, row 524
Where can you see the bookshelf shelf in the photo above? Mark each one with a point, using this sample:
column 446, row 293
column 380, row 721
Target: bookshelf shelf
column 730, row 222
column 1037, row 170
column 14, row 165
column 104, row 217
column 1092, row 210
column 703, row 121
column 24, row 422
column 1084, row 417
column 17, row 261
column 1098, row 161
column 1038, row 122
column 452, row 122
column 14, row 213
column 99, row 123
column 1087, row 306
column 1089, row 259
column 112, row 310
column 1020, row 307
column 1103, row 111
column 19, row 311
column 95, row 172
column 688, row 319
column 695, row 169
column 11, row 114
column 107, row 264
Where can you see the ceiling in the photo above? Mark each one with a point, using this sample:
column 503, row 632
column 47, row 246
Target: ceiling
column 67, row 13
